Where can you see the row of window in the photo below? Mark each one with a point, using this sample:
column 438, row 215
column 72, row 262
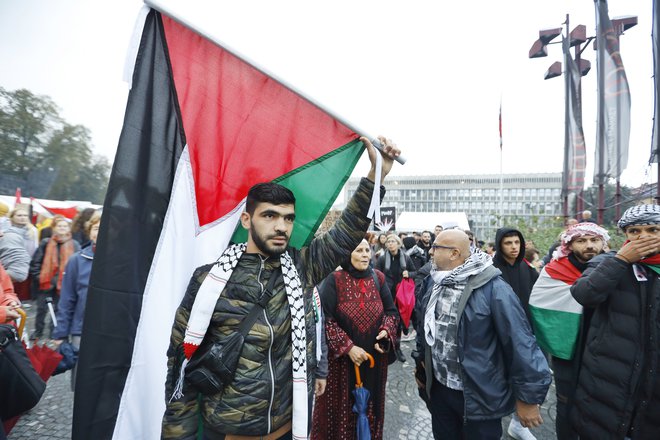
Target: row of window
column 440, row 194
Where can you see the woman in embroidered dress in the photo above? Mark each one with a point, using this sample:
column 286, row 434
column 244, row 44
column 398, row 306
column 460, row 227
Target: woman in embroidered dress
column 47, row 266
column 360, row 318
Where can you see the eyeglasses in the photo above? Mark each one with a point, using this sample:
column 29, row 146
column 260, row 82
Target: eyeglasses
column 439, row 246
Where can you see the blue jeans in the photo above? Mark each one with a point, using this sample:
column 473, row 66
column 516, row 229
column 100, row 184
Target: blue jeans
column 447, row 408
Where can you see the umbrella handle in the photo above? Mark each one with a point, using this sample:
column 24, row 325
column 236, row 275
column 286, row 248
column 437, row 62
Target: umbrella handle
column 21, row 326
column 358, row 379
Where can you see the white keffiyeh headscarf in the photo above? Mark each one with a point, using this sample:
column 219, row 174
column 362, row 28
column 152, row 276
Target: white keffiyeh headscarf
column 202, row 310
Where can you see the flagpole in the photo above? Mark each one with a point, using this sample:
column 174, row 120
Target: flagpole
column 160, row 7
column 501, row 172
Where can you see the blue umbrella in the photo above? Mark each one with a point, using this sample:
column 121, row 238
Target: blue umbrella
column 361, row 396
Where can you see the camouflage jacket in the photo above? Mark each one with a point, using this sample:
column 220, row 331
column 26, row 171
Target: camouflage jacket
column 259, row 400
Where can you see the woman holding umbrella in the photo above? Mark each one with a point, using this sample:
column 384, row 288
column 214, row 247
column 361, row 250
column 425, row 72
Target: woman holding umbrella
column 360, row 321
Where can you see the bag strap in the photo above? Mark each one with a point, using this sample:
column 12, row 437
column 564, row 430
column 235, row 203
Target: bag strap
column 376, row 280
column 250, row 319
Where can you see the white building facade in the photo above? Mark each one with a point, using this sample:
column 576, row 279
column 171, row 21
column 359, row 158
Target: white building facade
column 525, row 196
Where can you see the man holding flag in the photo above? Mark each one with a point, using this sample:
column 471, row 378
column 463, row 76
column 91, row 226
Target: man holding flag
column 272, row 388
column 618, row 389
column 557, row 316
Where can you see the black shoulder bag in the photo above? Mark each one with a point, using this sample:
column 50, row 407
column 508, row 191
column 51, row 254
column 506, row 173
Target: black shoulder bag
column 20, row 385
column 210, row 371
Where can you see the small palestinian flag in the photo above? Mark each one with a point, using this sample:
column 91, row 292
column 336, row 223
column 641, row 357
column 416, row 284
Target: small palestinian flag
column 201, row 127
column 556, row 316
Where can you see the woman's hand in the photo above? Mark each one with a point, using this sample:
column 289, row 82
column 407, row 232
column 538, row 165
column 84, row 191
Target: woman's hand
column 405, row 274
column 357, row 355
column 381, row 335
column 10, row 313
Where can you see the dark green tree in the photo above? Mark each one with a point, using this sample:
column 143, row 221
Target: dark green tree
column 35, row 141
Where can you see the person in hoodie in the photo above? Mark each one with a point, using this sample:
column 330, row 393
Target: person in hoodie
column 476, row 357
column 510, row 260
column 73, row 296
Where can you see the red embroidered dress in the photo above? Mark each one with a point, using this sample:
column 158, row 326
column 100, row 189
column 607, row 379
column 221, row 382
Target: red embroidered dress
column 355, row 312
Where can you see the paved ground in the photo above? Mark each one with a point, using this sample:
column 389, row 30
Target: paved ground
column 406, row 414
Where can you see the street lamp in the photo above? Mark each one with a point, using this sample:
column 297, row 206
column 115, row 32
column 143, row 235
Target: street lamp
column 576, row 38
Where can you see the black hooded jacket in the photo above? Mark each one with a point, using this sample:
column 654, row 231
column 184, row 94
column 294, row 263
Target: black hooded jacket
column 520, row 275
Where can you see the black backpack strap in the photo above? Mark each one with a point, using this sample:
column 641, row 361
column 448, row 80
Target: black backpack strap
column 251, row 317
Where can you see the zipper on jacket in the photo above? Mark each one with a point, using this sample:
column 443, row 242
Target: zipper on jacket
column 270, row 353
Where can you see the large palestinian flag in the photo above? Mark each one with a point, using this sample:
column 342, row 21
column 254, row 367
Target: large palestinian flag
column 201, row 127
column 556, row 316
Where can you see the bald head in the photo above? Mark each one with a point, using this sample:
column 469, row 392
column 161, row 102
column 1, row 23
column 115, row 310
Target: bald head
column 451, row 249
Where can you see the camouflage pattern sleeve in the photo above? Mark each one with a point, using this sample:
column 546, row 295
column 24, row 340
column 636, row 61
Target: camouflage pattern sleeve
column 329, row 250
column 181, row 418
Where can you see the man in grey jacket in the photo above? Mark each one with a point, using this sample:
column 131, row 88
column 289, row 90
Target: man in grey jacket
column 477, row 359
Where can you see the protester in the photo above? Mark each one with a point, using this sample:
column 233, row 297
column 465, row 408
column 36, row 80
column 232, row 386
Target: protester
column 510, row 260
column 360, row 318
column 521, row 276
column 618, row 388
column 396, row 265
column 272, row 384
column 13, row 255
column 381, row 246
column 556, row 316
column 425, row 244
column 586, row 217
column 8, row 300
column 476, row 357
column 47, row 266
column 20, row 221
column 489, row 248
column 79, row 226
column 73, row 296
column 532, row 256
column 4, row 220
column 415, row 253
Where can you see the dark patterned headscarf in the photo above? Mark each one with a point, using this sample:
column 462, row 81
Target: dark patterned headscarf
column 640, row 215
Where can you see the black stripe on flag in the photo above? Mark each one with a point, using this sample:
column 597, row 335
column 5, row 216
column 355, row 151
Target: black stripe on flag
column 150, row 145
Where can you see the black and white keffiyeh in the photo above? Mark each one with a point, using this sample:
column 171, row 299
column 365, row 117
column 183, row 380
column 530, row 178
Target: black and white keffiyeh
column 640, row 215
column 202, row 310
column 474, row 264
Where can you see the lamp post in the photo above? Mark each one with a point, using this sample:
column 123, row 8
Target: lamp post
column 578, row 40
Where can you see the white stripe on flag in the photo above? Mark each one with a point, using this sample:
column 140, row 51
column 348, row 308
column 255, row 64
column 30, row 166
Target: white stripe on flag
column 551, row 294
column 178, row 254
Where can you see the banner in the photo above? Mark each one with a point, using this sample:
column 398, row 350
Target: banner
column 613, row 133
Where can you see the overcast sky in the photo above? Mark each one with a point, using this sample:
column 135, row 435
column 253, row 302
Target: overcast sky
column 430, row 74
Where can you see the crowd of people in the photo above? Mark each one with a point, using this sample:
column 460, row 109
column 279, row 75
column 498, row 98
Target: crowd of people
column 49, row 267
column 493, row 324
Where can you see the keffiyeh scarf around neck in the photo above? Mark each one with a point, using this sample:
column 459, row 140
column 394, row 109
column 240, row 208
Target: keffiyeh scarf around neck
column 202, row 310
column 457, row 278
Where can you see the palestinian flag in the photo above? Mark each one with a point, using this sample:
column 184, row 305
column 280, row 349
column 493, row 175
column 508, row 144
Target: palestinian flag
column 555, row 314
column 201, row 127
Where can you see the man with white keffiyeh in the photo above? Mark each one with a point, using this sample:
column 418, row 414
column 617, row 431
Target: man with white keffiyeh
column 271, row 392
column 476, row 357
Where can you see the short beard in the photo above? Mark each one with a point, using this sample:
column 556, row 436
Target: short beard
column 263, row 245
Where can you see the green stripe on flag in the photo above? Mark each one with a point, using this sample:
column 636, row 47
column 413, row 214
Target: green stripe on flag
column 316, row 186
column 556, row 332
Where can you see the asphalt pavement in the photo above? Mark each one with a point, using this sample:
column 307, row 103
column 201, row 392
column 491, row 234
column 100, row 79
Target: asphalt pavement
column 406, row 416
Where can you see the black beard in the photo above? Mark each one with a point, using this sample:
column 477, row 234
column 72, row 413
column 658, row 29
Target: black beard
column 264, row 247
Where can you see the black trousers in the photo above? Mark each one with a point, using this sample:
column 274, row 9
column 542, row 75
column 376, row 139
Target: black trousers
column 564, row 385
column 42, row 311
column 447, row 411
